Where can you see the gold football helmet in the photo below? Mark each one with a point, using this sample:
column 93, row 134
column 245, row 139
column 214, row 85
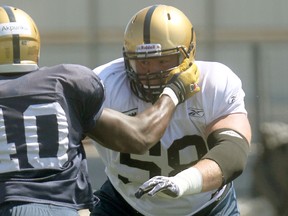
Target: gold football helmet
column 156, row 31
column 19, row 41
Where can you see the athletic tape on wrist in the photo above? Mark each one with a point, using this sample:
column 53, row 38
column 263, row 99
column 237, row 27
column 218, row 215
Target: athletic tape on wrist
column 189, row 181
column 168, row 91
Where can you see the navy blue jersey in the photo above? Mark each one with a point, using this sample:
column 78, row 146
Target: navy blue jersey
column 43, row 118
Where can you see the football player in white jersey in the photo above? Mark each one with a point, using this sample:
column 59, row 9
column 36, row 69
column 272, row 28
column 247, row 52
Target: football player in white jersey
column 205, row 147
column 46, row 112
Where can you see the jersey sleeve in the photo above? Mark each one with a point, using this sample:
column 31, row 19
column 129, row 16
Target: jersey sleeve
column 89, row 90
column 117, row 87
column 94, row 102
column 223, row 91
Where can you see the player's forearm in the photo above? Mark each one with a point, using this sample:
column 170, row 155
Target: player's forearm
column 205, row 176
column 155, row 120
column 136, row 134
column 147, row 128
column 211, row 175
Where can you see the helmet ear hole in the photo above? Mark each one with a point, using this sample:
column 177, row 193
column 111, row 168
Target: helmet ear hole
column 19, row 41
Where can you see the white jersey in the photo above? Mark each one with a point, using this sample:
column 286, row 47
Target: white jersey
column 183, row 143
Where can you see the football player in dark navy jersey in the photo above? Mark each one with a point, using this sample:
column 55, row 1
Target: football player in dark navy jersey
column 44, row 115
column 46, row 112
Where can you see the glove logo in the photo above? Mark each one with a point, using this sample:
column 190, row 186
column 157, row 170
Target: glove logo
column 193, row 87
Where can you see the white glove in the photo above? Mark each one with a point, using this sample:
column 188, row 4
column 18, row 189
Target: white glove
column 186, row 182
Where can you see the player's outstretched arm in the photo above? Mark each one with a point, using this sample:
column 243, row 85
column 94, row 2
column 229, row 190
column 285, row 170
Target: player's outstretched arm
column 231, row 137
column 137, row 134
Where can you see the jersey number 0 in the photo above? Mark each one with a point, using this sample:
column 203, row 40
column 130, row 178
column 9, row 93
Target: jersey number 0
column 9, row 157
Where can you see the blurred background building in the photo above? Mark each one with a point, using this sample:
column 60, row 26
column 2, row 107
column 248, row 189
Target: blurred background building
column 251, row 37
